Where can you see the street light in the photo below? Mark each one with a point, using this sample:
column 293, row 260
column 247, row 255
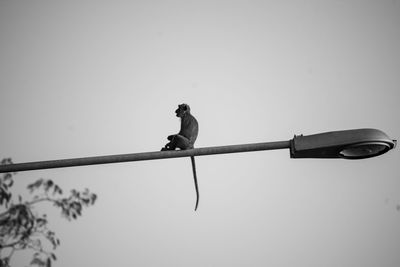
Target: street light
column 348, row 144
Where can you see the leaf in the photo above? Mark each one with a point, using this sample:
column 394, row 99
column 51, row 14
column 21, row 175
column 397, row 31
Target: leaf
column 53, row 256
column 35, row 185
column 5, row 196
column 57, row 190
column 76, row 206
column 86, row 201
column 5, row 262
column 74, row 193
column 36, row 244
column 38, row 261
column 7, row 180
column 93, row 198
column 6, row 161
column 40, row 222
column 47, row 185
column 66, row 213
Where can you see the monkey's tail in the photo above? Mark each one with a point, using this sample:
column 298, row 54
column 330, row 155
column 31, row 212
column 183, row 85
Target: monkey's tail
column 195, row 182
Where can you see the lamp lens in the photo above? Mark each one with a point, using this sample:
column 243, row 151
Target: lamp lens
column 364, row 150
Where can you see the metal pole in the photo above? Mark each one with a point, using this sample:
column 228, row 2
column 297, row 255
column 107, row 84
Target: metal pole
column 142, row 156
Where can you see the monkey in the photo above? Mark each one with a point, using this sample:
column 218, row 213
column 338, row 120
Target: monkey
column 185, row 139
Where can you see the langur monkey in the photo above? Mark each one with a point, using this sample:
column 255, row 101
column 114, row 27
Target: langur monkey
column 185, row 139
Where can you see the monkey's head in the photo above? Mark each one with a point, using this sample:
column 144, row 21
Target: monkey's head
column 182, row 110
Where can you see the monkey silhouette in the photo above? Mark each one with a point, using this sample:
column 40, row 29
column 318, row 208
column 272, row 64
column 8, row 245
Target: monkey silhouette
column 185, row 139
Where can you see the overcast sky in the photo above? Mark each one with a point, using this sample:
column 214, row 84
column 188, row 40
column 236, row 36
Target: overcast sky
column 89, row 78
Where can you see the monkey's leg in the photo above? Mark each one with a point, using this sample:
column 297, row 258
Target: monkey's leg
column 181, row 142
column 169, row 145
column 177, row 141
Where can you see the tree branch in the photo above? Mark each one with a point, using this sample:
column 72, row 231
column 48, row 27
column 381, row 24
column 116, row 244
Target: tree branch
column 33, row 202
column 11, row 245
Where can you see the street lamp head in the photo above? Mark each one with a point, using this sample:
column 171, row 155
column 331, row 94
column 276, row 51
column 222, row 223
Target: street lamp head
column 348, row 144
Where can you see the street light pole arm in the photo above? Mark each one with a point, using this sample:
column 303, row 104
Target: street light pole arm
column 142, row 156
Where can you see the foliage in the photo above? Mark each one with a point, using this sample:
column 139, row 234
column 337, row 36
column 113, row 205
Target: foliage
column 23, row 228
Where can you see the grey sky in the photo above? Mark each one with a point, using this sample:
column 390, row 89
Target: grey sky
column 86, row 78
